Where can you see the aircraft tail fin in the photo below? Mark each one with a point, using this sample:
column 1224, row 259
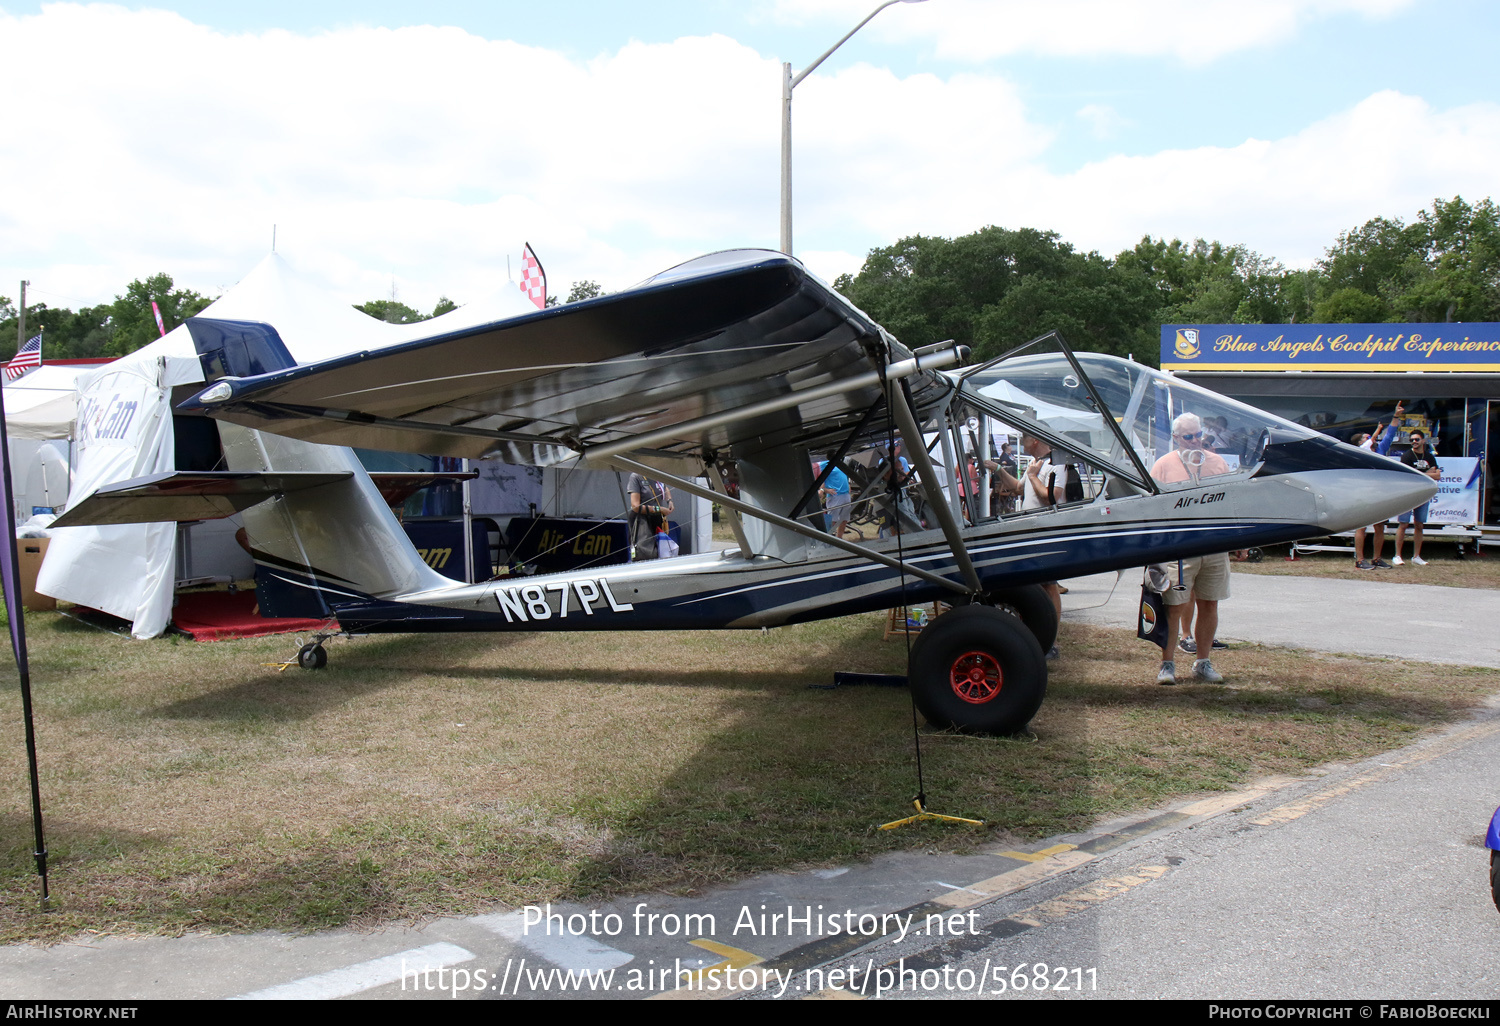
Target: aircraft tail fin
column 237, row 349
column 321, row 547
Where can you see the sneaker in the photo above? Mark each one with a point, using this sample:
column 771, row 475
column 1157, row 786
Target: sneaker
column 1364, row 564
column 1398, row 561
column 1204, row 671
column 1188, row 645
column 1381, row 564
column 1168, row 674
column 1219, row 644
column 1418, row 561
column 1053, row 653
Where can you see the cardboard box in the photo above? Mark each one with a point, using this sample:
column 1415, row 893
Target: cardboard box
column 29, row 555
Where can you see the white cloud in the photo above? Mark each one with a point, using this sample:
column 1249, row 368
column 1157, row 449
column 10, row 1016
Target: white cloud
column 430, row 155
column 1390, row 155
column 1103, row 120
column 1195, row 31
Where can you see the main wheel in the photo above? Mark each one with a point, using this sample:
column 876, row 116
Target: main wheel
column 1495, row 877
column 312, row 656
column 980, row 670
column 1034, row 606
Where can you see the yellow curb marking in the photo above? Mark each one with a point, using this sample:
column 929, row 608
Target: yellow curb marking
column 735, row 959
column 1015, row 880
column 1037, row 856
column 1223, row 803
column 1296, row 810
column 1083, row 898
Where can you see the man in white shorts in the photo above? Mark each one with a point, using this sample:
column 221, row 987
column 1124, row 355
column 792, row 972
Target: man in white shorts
column 1204, row 578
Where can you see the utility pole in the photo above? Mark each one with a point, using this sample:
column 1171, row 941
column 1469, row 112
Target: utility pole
column 21, row 319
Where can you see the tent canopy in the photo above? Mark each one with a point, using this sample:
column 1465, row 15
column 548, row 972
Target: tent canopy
column 125, row 428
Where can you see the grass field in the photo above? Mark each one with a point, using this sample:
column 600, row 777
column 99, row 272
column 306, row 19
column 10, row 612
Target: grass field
column 189, row 787
column 1442, row 567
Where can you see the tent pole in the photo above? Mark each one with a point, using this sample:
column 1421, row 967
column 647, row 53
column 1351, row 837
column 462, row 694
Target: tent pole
column 11, row 572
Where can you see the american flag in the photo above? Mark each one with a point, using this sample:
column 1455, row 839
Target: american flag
column 533, row 278
column 27, row 357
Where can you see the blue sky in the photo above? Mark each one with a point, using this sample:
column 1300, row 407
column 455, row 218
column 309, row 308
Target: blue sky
column 651, row 131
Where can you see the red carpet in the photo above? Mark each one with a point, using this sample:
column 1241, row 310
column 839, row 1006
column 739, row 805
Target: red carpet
column 214, row 615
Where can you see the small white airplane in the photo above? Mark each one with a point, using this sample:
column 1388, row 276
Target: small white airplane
column 743, row 357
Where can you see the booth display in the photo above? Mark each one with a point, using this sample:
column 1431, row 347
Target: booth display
column 1346, row 379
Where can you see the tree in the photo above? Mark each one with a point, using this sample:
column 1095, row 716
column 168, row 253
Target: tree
column 390, row 311
column 997, row 288
column 131, row 322
column 1351, row 306
column 585, row 289
column 444, row 305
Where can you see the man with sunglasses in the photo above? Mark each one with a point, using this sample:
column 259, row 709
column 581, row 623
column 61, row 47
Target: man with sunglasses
column 1419, row 457
column 1204, row 580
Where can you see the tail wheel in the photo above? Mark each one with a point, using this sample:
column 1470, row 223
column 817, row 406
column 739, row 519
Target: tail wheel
column 1034, row 606
column 312, row 656
column 978, row 669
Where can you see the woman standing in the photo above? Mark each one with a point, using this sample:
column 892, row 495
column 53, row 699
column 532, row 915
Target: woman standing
column 650, row 503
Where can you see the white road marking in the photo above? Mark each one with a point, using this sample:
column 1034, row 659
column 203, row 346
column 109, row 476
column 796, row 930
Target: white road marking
column 354, row 978
column 566, row 951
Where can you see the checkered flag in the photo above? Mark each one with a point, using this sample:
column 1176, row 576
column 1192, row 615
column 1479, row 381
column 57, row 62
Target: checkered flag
column 27, row 357
column 533, row 278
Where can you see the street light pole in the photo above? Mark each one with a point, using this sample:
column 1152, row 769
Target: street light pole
column 789, row 82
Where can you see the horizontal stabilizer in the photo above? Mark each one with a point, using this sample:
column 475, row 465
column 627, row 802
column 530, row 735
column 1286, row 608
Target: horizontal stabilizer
column 182, row 497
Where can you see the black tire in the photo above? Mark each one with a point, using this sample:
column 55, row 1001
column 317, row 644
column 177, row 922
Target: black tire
column 1495, row 878
column 312, row 656
column 1034, row 606
column 978, row 670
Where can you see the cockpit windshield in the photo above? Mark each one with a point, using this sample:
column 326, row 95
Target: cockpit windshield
column 1123, row 416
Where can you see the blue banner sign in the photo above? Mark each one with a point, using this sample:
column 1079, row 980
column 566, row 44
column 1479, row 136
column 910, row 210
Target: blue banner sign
column 1332, row 347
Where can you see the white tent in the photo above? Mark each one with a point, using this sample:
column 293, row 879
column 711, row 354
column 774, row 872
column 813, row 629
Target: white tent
column 42, row 403
column 124, row 429
column 1058, row 418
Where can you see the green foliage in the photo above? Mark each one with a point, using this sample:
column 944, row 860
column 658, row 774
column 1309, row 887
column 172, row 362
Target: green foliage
column 131, row 323
column 585, row 289
column 390, row 311
column 1351, row 306
column 444, row 305
column 997, row 287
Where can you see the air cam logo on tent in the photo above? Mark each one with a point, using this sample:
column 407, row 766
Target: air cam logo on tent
column 1186, row 346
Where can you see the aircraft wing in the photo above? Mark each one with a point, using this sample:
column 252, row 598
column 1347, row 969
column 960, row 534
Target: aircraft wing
column 186, row 496
column 662, row 363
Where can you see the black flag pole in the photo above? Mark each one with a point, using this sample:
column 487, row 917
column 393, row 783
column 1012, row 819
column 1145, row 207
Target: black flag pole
column 10, row 571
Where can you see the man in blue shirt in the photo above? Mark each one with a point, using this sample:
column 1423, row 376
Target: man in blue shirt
column 835, row 492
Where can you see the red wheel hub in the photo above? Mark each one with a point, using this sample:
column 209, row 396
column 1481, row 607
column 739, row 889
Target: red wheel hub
column 976, row 677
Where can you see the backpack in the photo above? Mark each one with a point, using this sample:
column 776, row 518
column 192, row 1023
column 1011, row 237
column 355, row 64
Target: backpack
column 1073, row 486
column 1072, row 483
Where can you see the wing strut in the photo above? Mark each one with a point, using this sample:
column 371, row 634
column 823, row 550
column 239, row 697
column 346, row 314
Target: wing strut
column 936, row 501
column 693, row 488
column 934, row 357
column 716, row 476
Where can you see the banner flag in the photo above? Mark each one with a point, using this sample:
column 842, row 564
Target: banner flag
column 533, row 278
column 157, row 311
column 10, row 577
